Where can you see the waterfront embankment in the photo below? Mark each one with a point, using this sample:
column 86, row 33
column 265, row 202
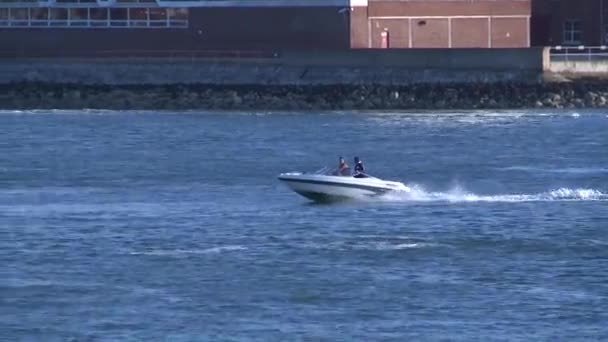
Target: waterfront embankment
column 574, row 94
column 382, row 79
column 579, row 93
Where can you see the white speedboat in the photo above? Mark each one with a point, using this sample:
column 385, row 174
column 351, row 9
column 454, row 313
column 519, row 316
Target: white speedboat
column 322, row 186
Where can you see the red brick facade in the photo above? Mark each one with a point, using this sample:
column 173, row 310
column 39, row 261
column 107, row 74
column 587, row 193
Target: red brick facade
column 442, row 24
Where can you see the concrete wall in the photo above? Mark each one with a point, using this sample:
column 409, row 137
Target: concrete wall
column 440, row 59
column 163, row 73
column 385, row 66
column 579, row 67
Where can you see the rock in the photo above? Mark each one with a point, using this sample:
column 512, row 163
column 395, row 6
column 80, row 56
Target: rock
column 322, row 97
column 439, row 104
column 348, row 104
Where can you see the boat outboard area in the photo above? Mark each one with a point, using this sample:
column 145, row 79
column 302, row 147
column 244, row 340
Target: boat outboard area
column 325, row 186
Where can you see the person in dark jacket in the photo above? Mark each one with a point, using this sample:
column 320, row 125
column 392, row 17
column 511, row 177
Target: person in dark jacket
column 359, row 168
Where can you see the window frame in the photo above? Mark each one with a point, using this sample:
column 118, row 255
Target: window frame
column 570, row 31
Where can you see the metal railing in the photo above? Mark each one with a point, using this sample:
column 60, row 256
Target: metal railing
column 578, row 53
column 92, row 23
column 151, row 55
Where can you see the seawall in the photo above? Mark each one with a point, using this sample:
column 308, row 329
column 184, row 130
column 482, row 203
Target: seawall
column 299, row 80
column 512, row 95
column 301, row 67
column 120, row 73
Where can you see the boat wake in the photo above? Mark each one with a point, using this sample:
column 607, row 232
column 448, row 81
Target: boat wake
column 417, row 193
column 568, row 170
column 188, row 252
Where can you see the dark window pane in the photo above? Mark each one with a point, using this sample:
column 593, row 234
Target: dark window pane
column 40, row 13
column 99, row 13
column 19, row 13
column 78, row 14
column 158, row 14
column 59, row 14
column 178, row 13
column 118, row 14
column 138, row 14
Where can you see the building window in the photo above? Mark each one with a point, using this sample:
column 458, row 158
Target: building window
column 157, row 16
column 572, row 32
column 119, row 17
column 58, row 17
column 138, row 17
column 78, row 16
column 4, row 18
column 177, row 16
column 19, row 16
column 94, row 17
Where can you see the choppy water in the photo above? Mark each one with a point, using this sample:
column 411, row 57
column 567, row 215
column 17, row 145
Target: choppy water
column 172, row 226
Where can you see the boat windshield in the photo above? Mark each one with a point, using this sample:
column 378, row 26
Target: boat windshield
column 327, row 171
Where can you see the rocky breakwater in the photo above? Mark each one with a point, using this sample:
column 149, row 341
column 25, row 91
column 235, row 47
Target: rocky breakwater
column 575, row 94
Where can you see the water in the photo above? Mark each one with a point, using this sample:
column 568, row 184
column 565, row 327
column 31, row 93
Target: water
column 172, row 226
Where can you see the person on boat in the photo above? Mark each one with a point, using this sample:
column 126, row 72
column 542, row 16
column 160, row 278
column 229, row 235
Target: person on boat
column 359, row 169
column 342, row 169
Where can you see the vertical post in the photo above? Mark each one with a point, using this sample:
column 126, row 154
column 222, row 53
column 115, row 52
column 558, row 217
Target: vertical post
column 528, row 31
column 489, row 32
column 384, row 38
column 602, row 28
column 450, row 32
column 369, row 33
column 409, row 30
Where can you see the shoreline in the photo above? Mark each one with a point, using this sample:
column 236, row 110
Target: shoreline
column 581, row 93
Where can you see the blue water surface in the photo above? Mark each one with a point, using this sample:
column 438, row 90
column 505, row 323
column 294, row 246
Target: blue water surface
column 132, row 226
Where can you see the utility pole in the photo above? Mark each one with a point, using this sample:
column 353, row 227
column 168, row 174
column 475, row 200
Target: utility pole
column 601, row 22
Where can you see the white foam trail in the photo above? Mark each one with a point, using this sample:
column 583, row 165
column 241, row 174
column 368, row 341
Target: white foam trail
column 466, row 117
column 367, row 245
column 417, row 193
column 573, row 170
column 179, row 252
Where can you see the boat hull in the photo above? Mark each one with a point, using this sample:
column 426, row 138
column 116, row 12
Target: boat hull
column 320, row 188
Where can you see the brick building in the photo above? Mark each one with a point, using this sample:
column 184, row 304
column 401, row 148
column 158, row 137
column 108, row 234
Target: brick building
column 441, row 24
column 569, row 22
column 153, row 27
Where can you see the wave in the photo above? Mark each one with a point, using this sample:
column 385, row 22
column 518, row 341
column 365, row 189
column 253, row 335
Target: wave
column 473, row 117
column 367, row 245
column 181, row 252
column 31, row 282
column 417, row 193
column 573, row 170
